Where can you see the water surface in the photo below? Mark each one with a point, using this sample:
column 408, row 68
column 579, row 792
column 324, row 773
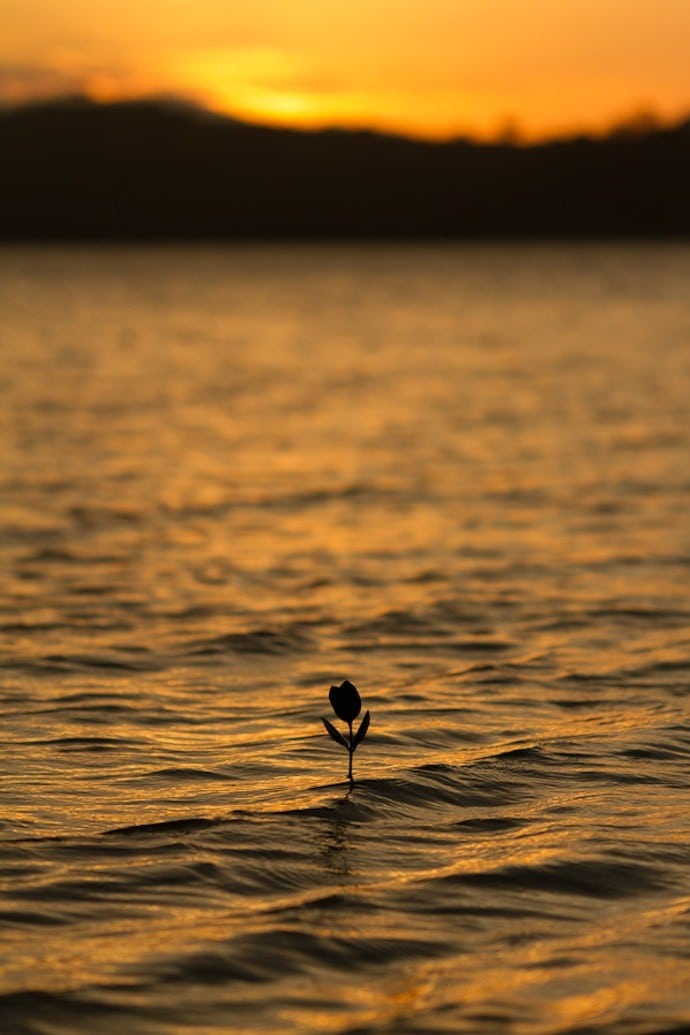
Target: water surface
column 458, row 476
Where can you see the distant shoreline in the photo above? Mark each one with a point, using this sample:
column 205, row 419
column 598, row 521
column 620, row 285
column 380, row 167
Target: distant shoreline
column 145, row 171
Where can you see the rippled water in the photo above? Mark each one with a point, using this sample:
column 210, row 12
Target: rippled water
column 459, row 477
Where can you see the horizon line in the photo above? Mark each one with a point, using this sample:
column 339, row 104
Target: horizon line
column 639, row 123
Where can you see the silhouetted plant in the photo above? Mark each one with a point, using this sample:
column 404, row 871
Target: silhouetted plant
column 347, row 705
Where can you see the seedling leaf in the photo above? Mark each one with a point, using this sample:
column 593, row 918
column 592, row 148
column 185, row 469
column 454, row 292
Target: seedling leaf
column 333, row 732
column 362, row 731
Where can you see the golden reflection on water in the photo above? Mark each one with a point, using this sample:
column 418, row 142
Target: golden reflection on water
column 455, row 476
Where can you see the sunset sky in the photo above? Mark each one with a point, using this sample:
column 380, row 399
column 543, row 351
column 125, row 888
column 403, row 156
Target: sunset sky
column 428, row 67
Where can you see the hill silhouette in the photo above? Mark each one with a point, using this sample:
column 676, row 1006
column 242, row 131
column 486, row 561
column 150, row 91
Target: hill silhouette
column 77, row 170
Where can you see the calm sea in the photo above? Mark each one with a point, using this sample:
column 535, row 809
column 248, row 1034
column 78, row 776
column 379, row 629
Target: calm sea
column 457, row 476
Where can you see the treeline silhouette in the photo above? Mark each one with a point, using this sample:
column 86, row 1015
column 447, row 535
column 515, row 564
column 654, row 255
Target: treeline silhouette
column 151, row 170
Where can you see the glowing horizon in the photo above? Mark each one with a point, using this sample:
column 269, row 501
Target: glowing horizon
column 442, row 68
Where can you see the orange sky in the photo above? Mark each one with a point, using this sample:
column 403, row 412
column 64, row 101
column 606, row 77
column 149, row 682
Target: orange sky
column 429, row 67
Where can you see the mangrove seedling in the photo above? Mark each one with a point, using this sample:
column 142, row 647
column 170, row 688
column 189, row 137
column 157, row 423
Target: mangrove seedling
column 347, row 705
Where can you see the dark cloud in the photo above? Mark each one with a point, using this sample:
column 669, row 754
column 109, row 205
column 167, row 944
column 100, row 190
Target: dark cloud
column 27, row 82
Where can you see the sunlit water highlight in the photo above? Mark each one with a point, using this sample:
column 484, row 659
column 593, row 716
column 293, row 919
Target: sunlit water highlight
column 459, row 477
